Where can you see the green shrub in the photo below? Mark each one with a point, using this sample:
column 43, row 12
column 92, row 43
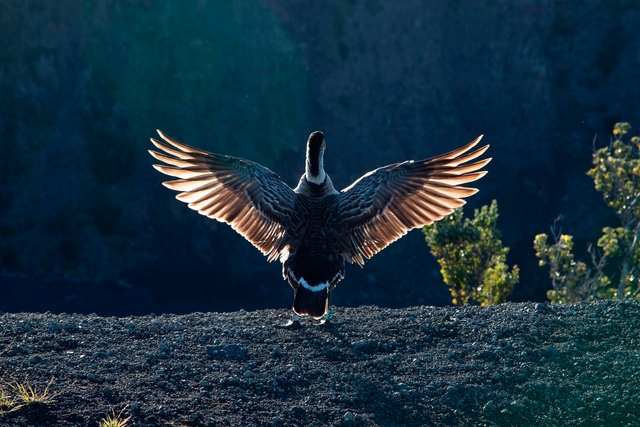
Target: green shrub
column 471, row 257
column 616, row 174
column 572, row 280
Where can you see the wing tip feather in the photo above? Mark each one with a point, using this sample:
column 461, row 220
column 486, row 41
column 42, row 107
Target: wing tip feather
column 155, row 155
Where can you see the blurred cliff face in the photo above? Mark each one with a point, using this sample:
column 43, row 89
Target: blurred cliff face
column 83, row 86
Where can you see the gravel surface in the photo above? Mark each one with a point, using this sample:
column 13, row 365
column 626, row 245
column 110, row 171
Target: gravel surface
column 513, row 364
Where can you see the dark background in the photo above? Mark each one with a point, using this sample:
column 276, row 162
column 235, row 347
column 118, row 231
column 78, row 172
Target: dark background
column 85, row 225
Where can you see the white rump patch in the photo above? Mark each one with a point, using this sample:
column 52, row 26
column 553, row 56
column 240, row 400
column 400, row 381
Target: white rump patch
column 315, row 288
column 306, row 285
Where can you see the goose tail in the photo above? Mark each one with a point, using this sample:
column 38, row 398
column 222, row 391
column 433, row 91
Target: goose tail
column 312, row 303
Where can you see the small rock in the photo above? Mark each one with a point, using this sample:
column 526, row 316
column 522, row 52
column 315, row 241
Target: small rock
column 231, row 351
column 542, row 308
column 349, row 417
column 298, row 410
column 552, row 350
column 489, row 356
column 361, row 344
column 248, row 374
column 175, row 326
column 489, row 407
column 69, row 327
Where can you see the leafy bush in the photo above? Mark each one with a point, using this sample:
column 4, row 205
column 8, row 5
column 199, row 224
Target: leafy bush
column 616, row 174
column 471, row 257
column 572, row 280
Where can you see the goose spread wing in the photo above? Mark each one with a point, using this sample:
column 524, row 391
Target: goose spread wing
column 247, row 196
column 384, row 204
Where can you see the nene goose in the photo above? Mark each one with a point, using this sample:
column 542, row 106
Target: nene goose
column 313, row 229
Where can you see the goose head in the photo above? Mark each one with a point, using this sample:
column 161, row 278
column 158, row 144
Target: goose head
column 314, row 171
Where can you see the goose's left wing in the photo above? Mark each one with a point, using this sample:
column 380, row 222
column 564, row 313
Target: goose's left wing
column 247, row 196
column 386, row 203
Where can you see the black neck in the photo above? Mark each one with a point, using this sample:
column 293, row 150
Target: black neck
column 315, row 150
column 313, row 161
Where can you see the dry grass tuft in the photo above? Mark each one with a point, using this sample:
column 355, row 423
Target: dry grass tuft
column 113, row 420
column 19, row 395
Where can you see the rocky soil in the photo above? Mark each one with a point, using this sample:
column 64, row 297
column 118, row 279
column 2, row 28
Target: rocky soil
column 513, row 364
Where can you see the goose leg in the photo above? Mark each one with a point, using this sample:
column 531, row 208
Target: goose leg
column 326, row 322
column 294, row 323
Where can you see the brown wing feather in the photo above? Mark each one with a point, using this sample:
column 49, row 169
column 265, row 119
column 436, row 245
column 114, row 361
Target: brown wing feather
column 247, row 196
column 385, row 204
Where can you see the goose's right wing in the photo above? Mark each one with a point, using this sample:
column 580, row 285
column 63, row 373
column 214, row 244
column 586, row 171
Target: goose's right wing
column 383, row 205
column 247, row 196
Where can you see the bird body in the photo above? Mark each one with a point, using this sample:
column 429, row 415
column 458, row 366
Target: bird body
column 314, row 264
column 313, row 229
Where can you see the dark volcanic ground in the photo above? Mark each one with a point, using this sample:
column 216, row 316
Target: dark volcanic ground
column 513, row 364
